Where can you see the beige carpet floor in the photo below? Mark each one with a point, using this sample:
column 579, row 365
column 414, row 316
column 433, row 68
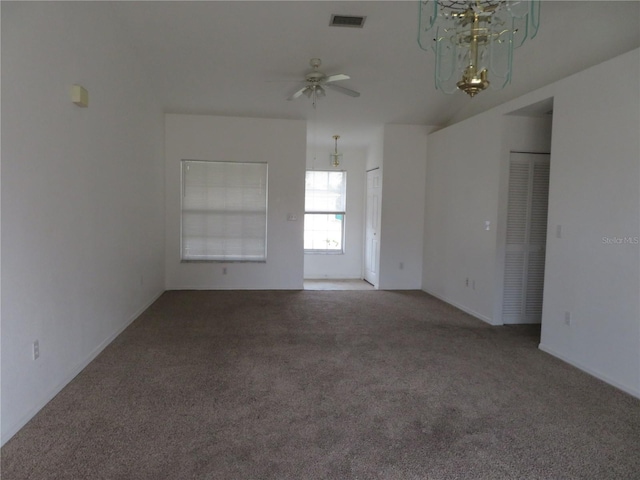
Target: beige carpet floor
column 326, row 385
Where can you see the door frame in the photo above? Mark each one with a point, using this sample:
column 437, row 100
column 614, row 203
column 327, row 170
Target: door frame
column 372, row 278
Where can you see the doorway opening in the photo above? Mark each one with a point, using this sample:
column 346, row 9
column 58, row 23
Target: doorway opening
column 333, row 228
column 523, row 237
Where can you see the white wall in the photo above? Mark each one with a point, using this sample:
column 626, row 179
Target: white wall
column 402, row 206
column 594, row 193
column 462, row 192
column 375, row 151
column 82, row 196
column 349, row 264
column 281, row 143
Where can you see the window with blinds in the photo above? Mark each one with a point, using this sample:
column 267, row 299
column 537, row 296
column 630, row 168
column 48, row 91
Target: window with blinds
column 224, row 211
column 325, row 210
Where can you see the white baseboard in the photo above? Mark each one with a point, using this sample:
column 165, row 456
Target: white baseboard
column 463, row 308
column 229, row 288
column 331, row 277
column 13, row 429
column 590, row 371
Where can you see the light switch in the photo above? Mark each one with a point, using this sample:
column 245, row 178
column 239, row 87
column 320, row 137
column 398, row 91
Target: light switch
column 292, row 218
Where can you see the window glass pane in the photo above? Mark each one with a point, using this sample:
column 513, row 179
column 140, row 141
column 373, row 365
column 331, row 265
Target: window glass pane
column 325, row 191
column 323, row 231
column 224, row 210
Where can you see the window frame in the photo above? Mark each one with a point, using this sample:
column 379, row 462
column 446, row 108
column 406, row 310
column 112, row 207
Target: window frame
column 343, row 212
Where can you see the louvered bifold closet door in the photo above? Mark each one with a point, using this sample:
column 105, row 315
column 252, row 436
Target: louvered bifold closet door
column 514, row 273
column 537, row 241
column 526, row 238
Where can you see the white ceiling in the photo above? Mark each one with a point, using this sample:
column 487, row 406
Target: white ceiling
column 235, row 58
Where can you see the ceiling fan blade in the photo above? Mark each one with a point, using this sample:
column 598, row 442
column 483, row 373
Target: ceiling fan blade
column 298, row 93
column 283, row 80
column 346, row 91
column 336, row 77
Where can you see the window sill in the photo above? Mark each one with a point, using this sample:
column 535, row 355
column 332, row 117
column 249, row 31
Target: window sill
column 223, row 261
column 323, row 252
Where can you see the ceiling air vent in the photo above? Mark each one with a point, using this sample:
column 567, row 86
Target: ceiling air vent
column 347, row 21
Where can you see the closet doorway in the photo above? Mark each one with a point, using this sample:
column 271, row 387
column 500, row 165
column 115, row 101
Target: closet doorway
column 526, row 237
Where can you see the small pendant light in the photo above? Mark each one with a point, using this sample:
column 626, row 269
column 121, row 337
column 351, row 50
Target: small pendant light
column 336, row 157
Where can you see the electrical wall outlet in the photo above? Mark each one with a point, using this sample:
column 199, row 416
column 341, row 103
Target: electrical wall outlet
column 36, row 350
column 567, row 318
column 224, row 270
column 466, row 282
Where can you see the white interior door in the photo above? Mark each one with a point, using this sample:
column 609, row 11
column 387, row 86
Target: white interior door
column 526, row 238
column 372, row 228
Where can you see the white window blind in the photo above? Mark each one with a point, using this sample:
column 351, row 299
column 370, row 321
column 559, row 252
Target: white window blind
column 224, row 211
column 325, row 209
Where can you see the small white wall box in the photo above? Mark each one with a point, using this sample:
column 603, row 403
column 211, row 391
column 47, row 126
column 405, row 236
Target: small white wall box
column 79, row 96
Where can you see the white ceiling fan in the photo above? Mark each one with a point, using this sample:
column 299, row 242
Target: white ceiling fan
column 315, row 81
